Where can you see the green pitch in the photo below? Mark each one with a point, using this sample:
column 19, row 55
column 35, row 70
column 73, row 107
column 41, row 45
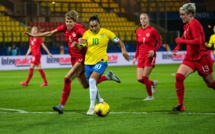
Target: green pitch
column 28, row 110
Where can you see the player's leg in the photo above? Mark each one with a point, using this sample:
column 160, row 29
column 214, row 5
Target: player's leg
column 183, row 71
column 42, row 74
column 206, row 71
column 93, row 73
column 145, row 77
column 109, row 76
column 30, row 74
column 209, row 80
column 73, row 73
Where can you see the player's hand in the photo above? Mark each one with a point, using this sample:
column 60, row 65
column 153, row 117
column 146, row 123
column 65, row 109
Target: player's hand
column 74, row 44
column 151, row 53
column 81, row 41
column 125, row 55
column 134, row 61
column 179, row 40
column 50, row 55
column 174, row 53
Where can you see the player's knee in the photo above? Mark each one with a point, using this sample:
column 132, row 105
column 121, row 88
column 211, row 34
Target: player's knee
column 212, row 85
column 67, row 80
column 85, row 86
column 140, row 80
column 179, row 78
column 144, row 79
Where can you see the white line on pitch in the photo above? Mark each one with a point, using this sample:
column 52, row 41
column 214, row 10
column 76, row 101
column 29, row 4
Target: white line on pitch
column 9, row 110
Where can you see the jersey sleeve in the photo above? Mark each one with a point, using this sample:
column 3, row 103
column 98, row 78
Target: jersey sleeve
column 157, row 39
column 61, row 28
column 112, row 36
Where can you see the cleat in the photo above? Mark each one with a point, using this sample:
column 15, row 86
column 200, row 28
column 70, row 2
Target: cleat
column 180, row 108
column 154, row 86
column 90, row 111
column 44, row 84
column 58, row 108
column 112, row 76
column 149, row 98
column 24, row 84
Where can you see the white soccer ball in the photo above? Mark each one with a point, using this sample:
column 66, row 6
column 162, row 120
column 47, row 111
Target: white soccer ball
column 102, row 109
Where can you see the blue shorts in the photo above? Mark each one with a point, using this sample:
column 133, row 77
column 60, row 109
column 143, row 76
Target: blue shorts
column 100, row 68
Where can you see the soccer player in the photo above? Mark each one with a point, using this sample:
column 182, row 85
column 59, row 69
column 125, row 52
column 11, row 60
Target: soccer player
column 73, row 31
column 148, row 42
column 34, row 48
column 96, row 59
column 197, row 57
column 212, row 42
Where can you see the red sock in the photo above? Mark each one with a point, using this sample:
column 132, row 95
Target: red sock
column 180, row 88
column 212, row 85
column 66, row 91
column 150, row 81
column 102, row 78
column 30, row 74
column 42, row 73
column 147, row 85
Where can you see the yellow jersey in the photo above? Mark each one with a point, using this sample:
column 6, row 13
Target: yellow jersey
column 97, row 45
column 212, row 42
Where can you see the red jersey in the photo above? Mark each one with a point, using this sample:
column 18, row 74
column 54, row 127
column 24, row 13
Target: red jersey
column 147, row 39
column 35, row 43
column 71, row 36
column 194, row 30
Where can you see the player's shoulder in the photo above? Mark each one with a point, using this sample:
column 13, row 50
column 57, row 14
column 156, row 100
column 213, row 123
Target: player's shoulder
column 78, row 25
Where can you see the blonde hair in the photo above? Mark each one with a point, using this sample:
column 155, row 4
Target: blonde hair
column 72, row 15
column 189, row 7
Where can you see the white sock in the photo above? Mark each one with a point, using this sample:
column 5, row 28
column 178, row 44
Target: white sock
column 93, row 92
column 98, row 97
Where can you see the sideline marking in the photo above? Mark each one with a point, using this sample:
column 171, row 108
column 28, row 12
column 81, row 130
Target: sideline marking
column 134, row 113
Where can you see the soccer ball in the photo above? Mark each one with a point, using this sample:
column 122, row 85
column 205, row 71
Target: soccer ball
column 102, row 109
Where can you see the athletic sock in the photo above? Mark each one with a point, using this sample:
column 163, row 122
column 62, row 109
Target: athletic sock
column 42, row 73
column 30, row 74
column 150, row 81
column 180, row 88
column 102, row 78
column 66, row 91
column 147, row 85
column 93, row 92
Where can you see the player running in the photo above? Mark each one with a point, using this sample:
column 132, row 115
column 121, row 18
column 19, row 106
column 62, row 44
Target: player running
column 148, row 42
column 96, row 60
column 73, row 31
column 197, row 57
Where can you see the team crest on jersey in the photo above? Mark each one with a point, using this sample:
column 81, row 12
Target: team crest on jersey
column 74, row 34
column 148, row 34
column 102, row 35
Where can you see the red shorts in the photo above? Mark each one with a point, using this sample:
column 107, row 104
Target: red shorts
column 80, row 60
column 146, row 61
column 36, row 60
column 204, row 66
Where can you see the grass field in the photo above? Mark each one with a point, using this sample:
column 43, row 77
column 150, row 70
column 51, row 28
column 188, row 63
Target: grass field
column 28, row 110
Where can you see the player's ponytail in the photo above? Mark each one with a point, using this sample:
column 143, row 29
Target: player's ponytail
column 137, row 28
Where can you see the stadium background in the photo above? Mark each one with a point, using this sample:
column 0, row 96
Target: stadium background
column 120, row 16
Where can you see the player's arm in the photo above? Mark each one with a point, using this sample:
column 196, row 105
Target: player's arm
column 28, row 52
column 44, row 34
column 210, row 42
column 46, row 49
column 80, row 44
column 124, row 51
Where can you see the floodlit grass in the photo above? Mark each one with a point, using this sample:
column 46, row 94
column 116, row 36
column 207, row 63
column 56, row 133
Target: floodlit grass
column 28, row 110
